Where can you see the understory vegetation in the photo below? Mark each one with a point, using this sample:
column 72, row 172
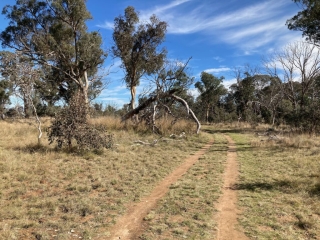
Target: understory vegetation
column 71, row 166
column 279, row 186
column 51, row 194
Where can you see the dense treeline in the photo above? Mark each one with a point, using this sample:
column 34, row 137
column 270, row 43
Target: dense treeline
column 53, row 59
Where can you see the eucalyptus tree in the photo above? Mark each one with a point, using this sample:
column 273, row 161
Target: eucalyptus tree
column 307, row 20
column 269, row 95
column 5, row 92
column 22, row 75
column 211, row 89
column 137, row 45
column 54, row 33
column 169, row 94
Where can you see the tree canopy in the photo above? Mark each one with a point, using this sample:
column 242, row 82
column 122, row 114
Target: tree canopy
column 210, row 89
column 136, row 44
column 307, row 20
column 54, row 33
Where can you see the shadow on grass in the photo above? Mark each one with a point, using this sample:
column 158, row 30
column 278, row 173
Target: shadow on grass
column 284, row 186
column 213, row 131
column 35, row 148
column 315, row 190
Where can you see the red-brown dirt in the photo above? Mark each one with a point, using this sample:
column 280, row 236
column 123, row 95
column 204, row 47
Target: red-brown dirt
column 130, row 226
column 228, row 228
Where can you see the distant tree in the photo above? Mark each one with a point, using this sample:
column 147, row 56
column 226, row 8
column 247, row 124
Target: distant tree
column 136, row 44
column 211, row 89
column 5, row 92
column 22, row 75
column 307, row 20
column 54, row 33
column 298, row 66
column 243, row 92
column 269, row 96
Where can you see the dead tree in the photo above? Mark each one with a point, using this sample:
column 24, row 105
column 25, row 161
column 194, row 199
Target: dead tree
column 171, row 82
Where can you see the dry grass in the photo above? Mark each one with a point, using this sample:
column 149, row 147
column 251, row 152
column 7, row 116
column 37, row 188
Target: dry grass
column 280, row 187
column 47, row 194
column 188, row 209
column 164, row 125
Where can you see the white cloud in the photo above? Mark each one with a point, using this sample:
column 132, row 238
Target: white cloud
column 107, row 25
column 249, row 27
column 219, row 59
column 217, row 70
column 193, row 92
column 227, row 83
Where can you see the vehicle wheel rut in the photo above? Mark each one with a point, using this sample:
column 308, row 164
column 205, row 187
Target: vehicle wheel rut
column 228, row 228
column 130, row 226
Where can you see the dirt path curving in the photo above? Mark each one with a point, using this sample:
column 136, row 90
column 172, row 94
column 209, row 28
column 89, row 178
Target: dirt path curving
column 130, row 226
column 228, row 228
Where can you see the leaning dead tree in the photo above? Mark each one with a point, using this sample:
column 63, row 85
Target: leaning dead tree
column 171, row 84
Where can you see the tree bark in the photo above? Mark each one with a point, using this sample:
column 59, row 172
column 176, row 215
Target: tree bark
column 145, row 104
column 26, row 106
column 207, row 114
column 133, row 91
column 179, row 99
column 154, row 98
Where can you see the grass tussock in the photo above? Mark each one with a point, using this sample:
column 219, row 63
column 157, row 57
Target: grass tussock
column 279, row 187
column 165, row 126
column 50, row 194
column 284, row 141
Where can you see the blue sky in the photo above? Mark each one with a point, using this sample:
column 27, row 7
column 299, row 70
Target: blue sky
column 218, row 35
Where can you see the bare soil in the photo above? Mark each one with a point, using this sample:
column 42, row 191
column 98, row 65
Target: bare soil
column 228, row 228
column 131, row 225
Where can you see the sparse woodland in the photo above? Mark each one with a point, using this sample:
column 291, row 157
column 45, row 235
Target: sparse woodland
column 69, row 166
column 51, row 56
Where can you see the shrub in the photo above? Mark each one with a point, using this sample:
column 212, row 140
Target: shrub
column 71, row 124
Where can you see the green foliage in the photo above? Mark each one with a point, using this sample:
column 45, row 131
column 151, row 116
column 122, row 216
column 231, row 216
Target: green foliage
column 137, row 46
column 307, row 20
column 211, row 90
column 71, row 124
column 5, row 93
column 54, row 34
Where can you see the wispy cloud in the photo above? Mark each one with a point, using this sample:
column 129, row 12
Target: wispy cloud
column 145, row 14
column 217, row 70
column 219, row 59
column 248, row 27
column 160, row 10
column 107, row 25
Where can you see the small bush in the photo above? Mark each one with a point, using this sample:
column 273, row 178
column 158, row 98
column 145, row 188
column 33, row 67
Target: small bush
column 71, row 124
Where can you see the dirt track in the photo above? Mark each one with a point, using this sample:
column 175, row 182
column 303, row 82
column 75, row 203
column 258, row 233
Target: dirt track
column 130, row 226
column 228, row 227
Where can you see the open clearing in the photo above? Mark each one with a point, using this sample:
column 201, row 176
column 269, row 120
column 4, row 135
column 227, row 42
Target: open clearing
column 47, row 194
